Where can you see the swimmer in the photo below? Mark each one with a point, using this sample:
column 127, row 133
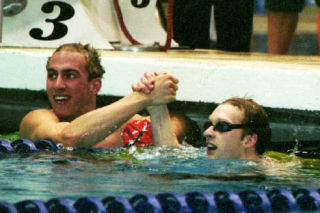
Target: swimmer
column 239, row 130
column 74, row 74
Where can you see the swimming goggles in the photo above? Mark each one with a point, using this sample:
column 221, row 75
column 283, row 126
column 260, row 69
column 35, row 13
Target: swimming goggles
column 222, row 126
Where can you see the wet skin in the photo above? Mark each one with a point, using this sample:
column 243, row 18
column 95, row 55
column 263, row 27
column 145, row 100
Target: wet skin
column 222, row 145
column 69, row 91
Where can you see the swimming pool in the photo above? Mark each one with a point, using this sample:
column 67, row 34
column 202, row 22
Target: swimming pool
column 73, row 175
column 76, row 174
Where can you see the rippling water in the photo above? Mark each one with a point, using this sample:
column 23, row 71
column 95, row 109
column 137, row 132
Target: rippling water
column 75, row 174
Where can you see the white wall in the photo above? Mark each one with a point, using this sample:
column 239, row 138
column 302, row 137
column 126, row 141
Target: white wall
column 207, row 77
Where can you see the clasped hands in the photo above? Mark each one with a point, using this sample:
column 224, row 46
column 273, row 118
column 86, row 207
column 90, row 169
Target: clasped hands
column 159, row 87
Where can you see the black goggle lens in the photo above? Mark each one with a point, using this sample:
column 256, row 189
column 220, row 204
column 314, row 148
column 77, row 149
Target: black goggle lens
column 222, row 126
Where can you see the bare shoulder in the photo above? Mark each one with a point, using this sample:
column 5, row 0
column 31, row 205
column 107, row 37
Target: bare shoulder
column 39, row 115
column 35, row 119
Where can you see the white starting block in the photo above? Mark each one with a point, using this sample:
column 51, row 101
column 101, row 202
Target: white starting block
column 48, row 24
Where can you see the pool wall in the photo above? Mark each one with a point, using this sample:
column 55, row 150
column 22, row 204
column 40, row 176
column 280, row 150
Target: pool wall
column 206, row 76
column 285, row 85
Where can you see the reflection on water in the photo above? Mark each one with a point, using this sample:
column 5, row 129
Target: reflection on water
column 150, row 170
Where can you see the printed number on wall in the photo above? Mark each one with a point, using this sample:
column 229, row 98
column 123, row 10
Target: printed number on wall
column 142, row 4
column 59, row 29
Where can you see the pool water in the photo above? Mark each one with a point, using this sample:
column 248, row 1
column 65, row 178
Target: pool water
column 80, row 173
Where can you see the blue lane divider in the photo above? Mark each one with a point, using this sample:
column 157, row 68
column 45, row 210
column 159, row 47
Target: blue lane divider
column 6, row 207
column 256, row 201
column 248, row 201
column 201, row 202
column 90, row 204
column 46, row 145
column 173, row 203
column 57, row 205
column 115, row 204
column 229, row 202
column 23, row 146
column 146, row 203
column 307, row 199
column 282, row 200
column 5, row 146
column 34, row 206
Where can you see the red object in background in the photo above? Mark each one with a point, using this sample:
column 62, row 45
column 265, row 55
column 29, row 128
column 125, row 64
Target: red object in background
column 318, row 30
column 138, row 133
column 135, row 42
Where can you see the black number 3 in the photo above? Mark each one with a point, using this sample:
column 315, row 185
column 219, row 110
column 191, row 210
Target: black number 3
column 143, row 4
column 59, row 29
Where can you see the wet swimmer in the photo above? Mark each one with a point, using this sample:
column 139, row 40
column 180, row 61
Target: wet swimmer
column 239, row 130
column 239, row 127
column 74, row 74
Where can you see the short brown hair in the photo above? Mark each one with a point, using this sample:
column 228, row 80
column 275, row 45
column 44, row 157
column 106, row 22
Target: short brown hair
column 93, row 66
column 257, row 119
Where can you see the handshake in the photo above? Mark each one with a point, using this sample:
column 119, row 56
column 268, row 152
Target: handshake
column 160, row 88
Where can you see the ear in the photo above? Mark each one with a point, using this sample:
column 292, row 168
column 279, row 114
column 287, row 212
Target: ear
column 250, row 140
column 95, row 86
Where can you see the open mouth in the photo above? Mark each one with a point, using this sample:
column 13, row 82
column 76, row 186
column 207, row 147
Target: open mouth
column 61, row 98
column 211, row 146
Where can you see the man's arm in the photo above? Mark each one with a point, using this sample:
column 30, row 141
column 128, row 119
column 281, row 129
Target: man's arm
column 86, row 130
column 162, row 129
column 116, row 139
column 94, row 126
column 41, row 124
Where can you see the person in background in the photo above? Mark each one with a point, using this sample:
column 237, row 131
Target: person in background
column 74, row 74
column 283, row 16
column 187, row 130
column 214, row 24
column 234, row 25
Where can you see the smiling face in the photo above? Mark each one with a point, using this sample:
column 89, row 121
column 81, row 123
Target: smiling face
column 69, row 91
column 222, row 145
